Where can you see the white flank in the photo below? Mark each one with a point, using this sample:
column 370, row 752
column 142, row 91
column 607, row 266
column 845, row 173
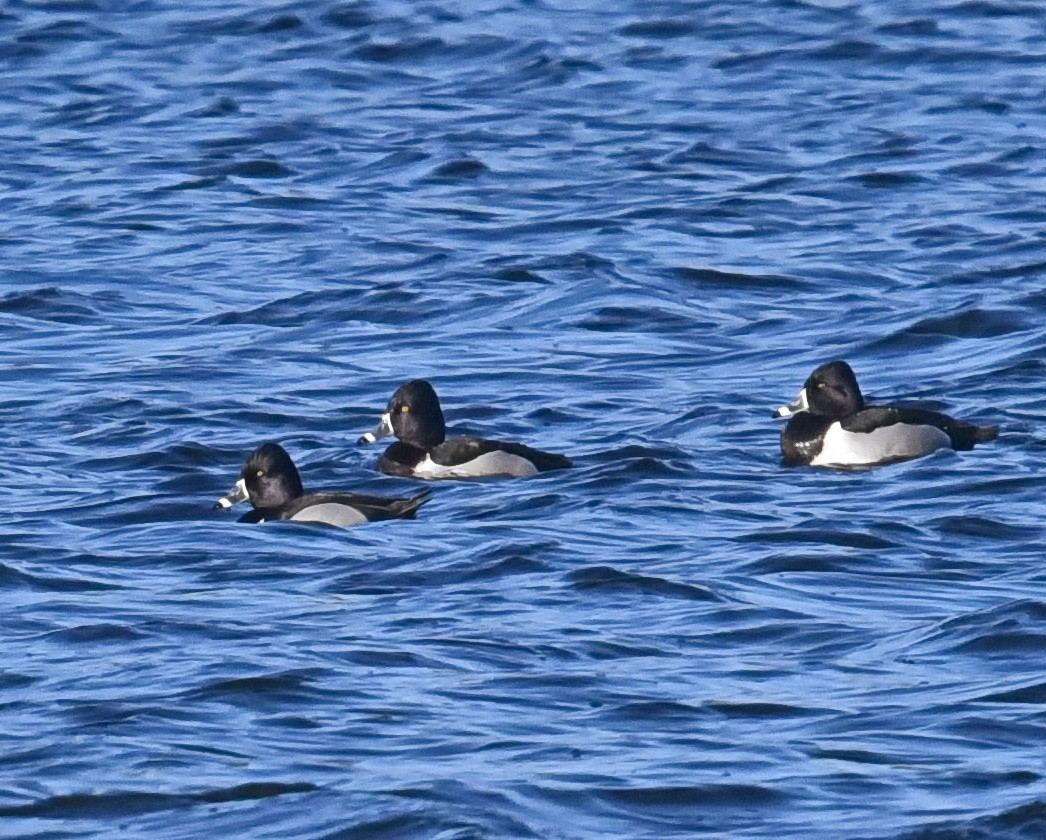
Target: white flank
column 898, row 442
column 489, row 464
column 331, row 513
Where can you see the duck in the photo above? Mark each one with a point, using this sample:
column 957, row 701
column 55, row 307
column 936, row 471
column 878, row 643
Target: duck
column 270, row 481
column 415, row 417
column 831, row 426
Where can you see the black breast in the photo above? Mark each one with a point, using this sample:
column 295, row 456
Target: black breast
column 400, row 459
column 803, row 437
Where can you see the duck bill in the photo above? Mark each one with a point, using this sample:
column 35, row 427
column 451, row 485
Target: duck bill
column 383, row 429
column 800, row 403
column 235, row 496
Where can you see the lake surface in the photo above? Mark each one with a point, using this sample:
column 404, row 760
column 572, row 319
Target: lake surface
column 626, row 232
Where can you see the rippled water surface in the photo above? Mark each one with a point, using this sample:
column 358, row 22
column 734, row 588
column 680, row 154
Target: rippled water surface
column 621, row 231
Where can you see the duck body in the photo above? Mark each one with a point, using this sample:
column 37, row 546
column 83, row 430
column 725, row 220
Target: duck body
column 271, row 483
column 415, row 417
column 468, row 457
column 830, row 426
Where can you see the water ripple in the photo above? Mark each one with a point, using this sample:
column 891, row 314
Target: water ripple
column 622, row 233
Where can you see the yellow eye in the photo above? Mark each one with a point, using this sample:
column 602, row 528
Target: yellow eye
column 404, row 409
column 260, row 473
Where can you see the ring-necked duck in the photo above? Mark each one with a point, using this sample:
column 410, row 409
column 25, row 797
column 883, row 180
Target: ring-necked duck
column 271, row 482
column 831, row 427
column 414, row 416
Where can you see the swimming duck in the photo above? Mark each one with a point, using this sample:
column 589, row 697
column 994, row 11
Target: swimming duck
column 831, row 426
column 270, row 481
column 414, row 416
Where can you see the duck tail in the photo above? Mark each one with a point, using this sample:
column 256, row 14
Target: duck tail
column 966, row 436
column 985, row 433
column 411, row 505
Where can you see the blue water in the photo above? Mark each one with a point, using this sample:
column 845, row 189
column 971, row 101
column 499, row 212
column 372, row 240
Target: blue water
column 625, row 232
